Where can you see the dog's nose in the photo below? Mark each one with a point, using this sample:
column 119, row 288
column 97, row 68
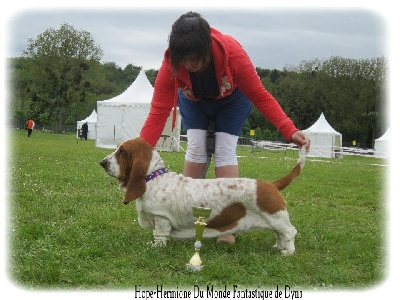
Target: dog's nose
column 103, row 163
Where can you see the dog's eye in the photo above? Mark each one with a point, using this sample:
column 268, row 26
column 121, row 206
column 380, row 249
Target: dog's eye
column 122, row 151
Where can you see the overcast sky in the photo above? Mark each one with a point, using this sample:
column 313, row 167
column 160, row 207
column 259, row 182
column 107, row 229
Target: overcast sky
column 274, row 38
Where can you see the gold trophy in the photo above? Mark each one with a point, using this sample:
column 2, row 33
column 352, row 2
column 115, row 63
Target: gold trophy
column 195, row 263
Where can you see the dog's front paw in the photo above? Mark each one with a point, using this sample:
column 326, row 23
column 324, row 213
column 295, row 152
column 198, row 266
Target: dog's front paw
column 158, row 243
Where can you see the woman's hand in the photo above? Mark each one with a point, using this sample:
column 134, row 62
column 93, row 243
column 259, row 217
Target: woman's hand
column 299, row 138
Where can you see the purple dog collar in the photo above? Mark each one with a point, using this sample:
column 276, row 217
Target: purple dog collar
column 156, row 173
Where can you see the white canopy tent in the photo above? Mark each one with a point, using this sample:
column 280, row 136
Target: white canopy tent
column 170, row 139
column 382, row 145
column 325, row 141
column 122, row 117
column 91, row 120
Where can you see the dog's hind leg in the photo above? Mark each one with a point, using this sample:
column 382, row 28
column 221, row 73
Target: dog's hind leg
column 288, row 239
column 284, row 232
column 280, row 245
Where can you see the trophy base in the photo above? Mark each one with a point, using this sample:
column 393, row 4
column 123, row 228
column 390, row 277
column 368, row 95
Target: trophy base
column 195, row 263
column 194, row 268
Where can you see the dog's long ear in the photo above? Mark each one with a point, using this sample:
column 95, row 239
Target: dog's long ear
column 142, row 154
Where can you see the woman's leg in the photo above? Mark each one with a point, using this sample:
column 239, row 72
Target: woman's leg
column 227, row 172
column 226, row 164
column 196, row 154
column 192, row 169
column 229, row 121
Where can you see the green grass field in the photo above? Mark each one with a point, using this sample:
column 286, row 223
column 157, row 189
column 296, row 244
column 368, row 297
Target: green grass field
column 68, row 228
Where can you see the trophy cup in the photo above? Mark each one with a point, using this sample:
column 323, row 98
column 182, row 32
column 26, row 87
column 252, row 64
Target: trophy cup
column 195, row 263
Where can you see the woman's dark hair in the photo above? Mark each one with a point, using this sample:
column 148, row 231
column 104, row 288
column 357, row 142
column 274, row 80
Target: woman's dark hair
column 190, row 38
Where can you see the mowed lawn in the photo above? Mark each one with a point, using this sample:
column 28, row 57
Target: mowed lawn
column 68, row 228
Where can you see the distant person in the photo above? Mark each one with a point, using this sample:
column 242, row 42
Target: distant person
column 85, row 129
column 29, row 126
column 211, row 78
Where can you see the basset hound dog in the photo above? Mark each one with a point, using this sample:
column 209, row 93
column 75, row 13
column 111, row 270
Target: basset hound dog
column 164, row 199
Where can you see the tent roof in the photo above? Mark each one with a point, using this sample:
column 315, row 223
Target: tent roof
column 322, row 126
column 385, row 136
column 91, row 118
column 140, row 91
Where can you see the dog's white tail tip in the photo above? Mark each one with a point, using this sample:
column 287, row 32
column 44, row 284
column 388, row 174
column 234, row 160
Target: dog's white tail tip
column 303, row 153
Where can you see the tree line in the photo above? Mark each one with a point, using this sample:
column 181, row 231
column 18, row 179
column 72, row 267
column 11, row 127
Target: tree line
column 59, row 78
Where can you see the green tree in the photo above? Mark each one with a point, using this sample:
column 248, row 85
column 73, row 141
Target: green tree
column 130, row 73
column 19, row 117
column 20, row 83
column 350, row 92
column 58, row 62
column 44, row 119
column 152, row 75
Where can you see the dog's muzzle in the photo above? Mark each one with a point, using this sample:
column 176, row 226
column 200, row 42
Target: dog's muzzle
column 104, row 164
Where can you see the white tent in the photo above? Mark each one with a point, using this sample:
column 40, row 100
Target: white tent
column 91, row 120
column 325, row 141
column 122, row 117
column 170, row 139
column 382, row 145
